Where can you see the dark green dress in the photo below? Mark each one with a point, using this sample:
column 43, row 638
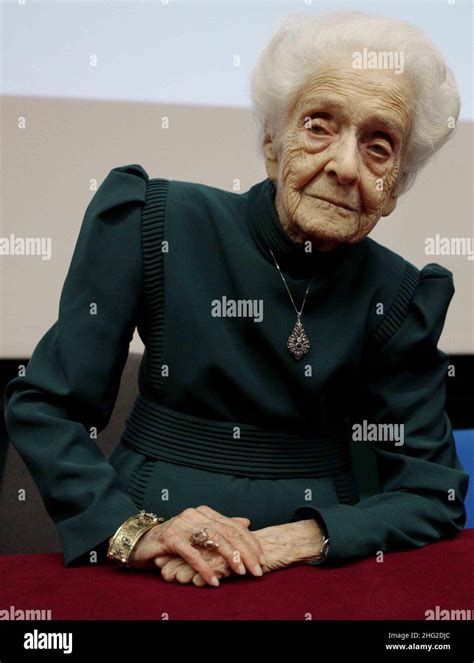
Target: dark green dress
column 225, row 415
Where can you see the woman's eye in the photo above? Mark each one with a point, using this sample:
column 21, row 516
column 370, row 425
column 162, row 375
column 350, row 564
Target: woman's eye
column 317, row 129
column 380, row 150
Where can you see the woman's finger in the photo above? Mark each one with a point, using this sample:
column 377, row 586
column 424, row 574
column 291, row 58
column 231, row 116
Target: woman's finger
column 195, row 559
column 177, row 569
column 198, row 581
column 185, row 574
column 243, row 521
column 162, row 560
column 249, row 536
column 226, row 547
column 240, row 540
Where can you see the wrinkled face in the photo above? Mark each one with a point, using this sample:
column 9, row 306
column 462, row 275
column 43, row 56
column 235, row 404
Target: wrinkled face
column 340, row 154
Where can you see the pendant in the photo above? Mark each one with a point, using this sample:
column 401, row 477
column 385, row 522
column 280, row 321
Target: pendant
column 298, row 343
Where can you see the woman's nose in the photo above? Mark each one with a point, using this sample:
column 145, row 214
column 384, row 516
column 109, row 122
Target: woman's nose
column 344, row 162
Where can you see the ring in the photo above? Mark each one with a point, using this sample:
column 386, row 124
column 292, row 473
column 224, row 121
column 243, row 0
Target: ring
column 200, row 540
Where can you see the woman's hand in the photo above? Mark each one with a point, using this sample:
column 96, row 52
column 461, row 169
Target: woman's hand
column 238, row 547
column 175, row 569
column 283, row 546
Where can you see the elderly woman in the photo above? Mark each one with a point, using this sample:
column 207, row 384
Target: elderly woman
column 274, row 329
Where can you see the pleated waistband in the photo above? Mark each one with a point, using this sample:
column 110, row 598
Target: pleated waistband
column 234, row 448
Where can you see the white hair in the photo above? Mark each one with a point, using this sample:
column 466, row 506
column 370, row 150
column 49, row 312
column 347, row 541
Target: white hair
column 303, row 43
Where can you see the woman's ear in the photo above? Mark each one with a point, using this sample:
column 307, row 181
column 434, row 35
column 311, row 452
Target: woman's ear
column 392, row 200
column 271, row 160
column 390, row 205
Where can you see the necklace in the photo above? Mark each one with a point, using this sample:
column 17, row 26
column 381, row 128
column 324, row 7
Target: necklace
column 298, row 343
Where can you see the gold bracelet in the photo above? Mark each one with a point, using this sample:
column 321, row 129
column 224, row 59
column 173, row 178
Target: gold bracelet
column 128, row 535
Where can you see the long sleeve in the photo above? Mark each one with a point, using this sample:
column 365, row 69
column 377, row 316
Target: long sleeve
column 422, row 485
column 72, row 379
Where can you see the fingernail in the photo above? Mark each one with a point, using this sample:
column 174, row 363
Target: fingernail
column 262, row 560
column 258, row 570
column 242, row 570
column 215, row 581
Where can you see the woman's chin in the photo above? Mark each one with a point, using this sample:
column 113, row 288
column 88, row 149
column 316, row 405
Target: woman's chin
column 327, row 236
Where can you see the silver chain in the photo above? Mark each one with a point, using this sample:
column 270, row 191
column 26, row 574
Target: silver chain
column 298, row 313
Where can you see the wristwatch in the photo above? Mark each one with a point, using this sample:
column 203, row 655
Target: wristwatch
column 323, row 553
column 310, row 513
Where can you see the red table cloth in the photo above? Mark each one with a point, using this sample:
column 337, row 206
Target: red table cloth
column 404, row 586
